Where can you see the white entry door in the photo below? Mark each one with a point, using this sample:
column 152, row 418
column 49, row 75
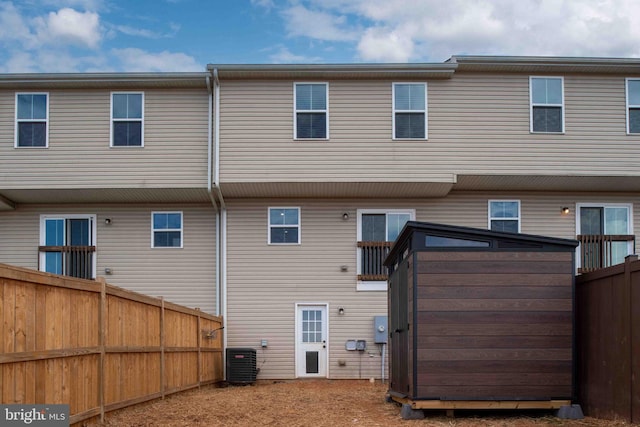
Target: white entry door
column 311, row 341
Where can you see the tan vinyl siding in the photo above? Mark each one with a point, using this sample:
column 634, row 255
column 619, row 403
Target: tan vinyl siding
column 264, row 282
column 478, row 124
column 79, row 155
column 184, row 276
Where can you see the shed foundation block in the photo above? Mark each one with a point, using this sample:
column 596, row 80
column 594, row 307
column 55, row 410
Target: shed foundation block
column 408, row 413
column 570, row 412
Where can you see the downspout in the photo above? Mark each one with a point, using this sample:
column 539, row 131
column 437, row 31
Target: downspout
column 210, row 191
column 222, row 225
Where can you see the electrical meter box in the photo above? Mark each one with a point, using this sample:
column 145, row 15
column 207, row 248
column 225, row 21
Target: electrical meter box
column 380, row 329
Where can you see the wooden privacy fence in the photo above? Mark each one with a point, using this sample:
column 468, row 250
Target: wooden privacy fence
column 608, row 341
column 97, row 347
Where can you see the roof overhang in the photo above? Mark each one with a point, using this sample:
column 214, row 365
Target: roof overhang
column 592, row 183
column 15, row 197
column 104, row 80
column 333, row 71
column 352, row 190
column 546, row 64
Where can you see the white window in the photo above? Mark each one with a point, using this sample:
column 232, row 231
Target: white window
column 633, row 105
column 32, row 120
column 377, row 230
column 547, row 104
column 166, row 229
column 504, row 215
column 284, row 226
column 68, row 245
column 410, row 111
column 127, row 119
column 311, row 111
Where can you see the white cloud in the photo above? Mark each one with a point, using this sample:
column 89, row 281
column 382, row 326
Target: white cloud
column 68, row 26
column 283, row 55
column 419, row 30
column 142, row 32
column 319, row 25
column 133, row 59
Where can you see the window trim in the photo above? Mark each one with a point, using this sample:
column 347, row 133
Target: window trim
column 325, row 111
column 181, row 230
column 532, row 105
column 112, row 119
column 490, row 218
column 17, row 120
column 394, row 111
column 374, row 285
column 298, row 226
column 628, row 106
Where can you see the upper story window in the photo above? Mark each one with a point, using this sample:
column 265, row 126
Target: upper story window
column 547, row 104
column 504, row 215
column 166, row 229
column 311, row 119
column 410, row 111
column 633, row 105
column 284, row 226
column 127, row 119
column 32, row 120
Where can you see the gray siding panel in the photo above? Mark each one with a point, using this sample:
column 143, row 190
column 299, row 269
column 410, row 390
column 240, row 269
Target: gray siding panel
column 265, row 282
column 478, row 124
column 79, row 156
column 184, row 276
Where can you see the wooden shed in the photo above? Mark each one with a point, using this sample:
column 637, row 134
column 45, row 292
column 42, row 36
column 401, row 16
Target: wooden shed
column 480, row 319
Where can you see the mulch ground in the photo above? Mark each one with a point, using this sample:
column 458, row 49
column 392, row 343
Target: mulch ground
column 315, row 403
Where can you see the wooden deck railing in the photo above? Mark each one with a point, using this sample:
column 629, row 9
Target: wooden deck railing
column 76, row 261
column 372, row 257
column 596, row 251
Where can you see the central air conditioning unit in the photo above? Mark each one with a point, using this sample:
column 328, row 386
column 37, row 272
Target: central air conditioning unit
column 241, row 365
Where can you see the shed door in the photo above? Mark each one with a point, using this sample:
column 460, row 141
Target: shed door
column 398, row 328
column 311, row 341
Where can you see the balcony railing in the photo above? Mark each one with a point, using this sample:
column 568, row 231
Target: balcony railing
column 372, row 256
column 74, row 261
column 600, row 251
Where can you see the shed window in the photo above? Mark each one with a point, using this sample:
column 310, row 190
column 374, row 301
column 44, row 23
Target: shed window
column 311, row 111
column 409, row 110
column 504, row 215
column 32, row 120
column 547, row 104
column 284, row 226
column 453, row 242
column 633, row 105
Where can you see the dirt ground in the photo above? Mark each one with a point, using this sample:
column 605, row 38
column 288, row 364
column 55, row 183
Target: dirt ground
column 314, row 403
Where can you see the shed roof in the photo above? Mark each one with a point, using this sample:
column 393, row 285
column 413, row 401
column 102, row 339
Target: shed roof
column 497, row 240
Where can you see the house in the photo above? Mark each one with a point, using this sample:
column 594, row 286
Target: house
column 107, row 175
column 321, row 166
column 280, row 188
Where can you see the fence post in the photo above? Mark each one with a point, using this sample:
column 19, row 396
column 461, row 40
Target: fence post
column 101, row 342
column 199, row 332
column 162, row 337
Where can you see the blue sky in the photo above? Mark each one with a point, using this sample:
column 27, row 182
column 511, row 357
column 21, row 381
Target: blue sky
column 185, row 35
